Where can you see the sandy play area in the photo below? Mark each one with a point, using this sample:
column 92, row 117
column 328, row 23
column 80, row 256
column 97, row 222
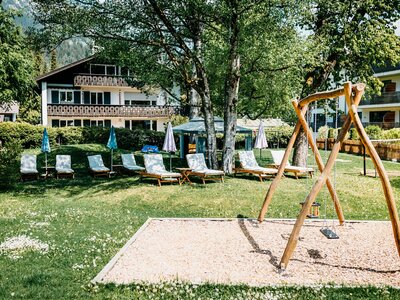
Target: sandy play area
column 233, row 251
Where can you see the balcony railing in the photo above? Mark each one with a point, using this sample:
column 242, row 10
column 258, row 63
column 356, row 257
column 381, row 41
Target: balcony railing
column 385, row 98
column 99, row 80
column 79, row 110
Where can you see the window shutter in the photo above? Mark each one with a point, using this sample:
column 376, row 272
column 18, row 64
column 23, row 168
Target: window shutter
column 107, row 98
column 77, row 97
column 86, row 97
column 54, row 97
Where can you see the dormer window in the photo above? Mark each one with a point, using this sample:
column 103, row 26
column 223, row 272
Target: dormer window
column 102, row 69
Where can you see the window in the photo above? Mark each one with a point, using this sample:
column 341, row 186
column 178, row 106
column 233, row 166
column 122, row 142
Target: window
column 102, row 69
column 139, row 102
column 100, row 123
column 65, row 96
column 96, row 98
column 139, row 124
column 377, row 116
column 78, row 123
column 55, row 123
column 66, row 123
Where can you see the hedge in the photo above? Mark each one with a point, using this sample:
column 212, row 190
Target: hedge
column 30, row 136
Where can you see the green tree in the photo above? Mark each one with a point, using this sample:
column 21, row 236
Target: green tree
column 185, row 42
column 53, row 60
column 16, row 63
column 350, row 38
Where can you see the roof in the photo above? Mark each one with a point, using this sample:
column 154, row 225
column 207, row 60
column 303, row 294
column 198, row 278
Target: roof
column 66, row 67
column 387, row 68
column 196, row 126
column 11, row 108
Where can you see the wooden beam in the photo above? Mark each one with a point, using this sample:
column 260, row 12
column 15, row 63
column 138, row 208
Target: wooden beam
column 329, row 94
column 281, row 169
column 318, row 159
column 387, row 189
column 291, row 245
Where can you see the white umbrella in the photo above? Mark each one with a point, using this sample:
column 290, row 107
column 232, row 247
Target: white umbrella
column 169, row 143
column 261, row 141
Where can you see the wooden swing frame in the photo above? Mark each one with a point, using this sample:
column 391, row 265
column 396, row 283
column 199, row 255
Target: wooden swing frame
column 353, row 96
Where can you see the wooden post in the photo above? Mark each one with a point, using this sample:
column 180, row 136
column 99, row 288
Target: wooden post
column 387, row 189
column 314, row 148
column 281, row 169
column 291, row 245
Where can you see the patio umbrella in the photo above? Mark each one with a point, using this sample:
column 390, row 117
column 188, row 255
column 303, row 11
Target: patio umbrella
column 169, row 143
column 261, row 141
column 45, row 145
column 112, row 144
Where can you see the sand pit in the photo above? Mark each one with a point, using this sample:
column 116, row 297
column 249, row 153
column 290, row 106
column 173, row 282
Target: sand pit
column 233, row 251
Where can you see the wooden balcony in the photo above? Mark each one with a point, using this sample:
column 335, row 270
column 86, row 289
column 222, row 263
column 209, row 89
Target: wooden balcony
column 99, row 80
column 87, row 111
column 385, row 98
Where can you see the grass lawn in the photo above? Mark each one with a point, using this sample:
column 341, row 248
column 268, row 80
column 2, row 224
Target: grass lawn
column 86, row 221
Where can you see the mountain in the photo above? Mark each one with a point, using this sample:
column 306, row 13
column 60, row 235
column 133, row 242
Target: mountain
column 67, row 52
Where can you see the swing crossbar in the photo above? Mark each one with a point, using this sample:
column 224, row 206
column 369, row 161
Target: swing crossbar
column 353, row 96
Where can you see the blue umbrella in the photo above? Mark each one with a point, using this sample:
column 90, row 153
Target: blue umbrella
column 45, row 145
column 112, row 144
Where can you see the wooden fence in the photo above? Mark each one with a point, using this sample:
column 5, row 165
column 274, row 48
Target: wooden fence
column 386, row 151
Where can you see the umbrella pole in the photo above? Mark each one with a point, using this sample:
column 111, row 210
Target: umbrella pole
column 45, row 158
column 260, row 152
column 112, row 159
column 170, row 162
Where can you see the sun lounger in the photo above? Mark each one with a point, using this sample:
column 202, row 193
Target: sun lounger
column 277, row 156
column 96, row 166
column 249, row 165
column 155, row 168
column 63, row 166
column 197, row 164
column 129, row 163
column 28, row 168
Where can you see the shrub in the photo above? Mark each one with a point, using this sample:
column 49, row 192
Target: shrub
column 374, row 132
column 9, row 164
column 70, row 135
column 354, row 134
column 30, row 136
column 323, row 132
column 279, row 134
column 390, row 134
column 332, row 133
column 178, row 120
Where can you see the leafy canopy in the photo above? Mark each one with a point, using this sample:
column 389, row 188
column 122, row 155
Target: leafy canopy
column 16, row 61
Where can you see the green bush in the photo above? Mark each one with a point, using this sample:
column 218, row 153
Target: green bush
column 390, row 134
column 9, row 164
column 70, row 135
column 30, row 136
column 279, row 134
column 354, row 134
column 323, row 132
column 374, row 132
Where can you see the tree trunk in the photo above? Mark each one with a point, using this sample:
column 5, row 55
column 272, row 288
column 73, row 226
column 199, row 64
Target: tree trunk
column 194, row 97
column 209, row 125
column 230, row 105
column 300, row 151
column 194, row 104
